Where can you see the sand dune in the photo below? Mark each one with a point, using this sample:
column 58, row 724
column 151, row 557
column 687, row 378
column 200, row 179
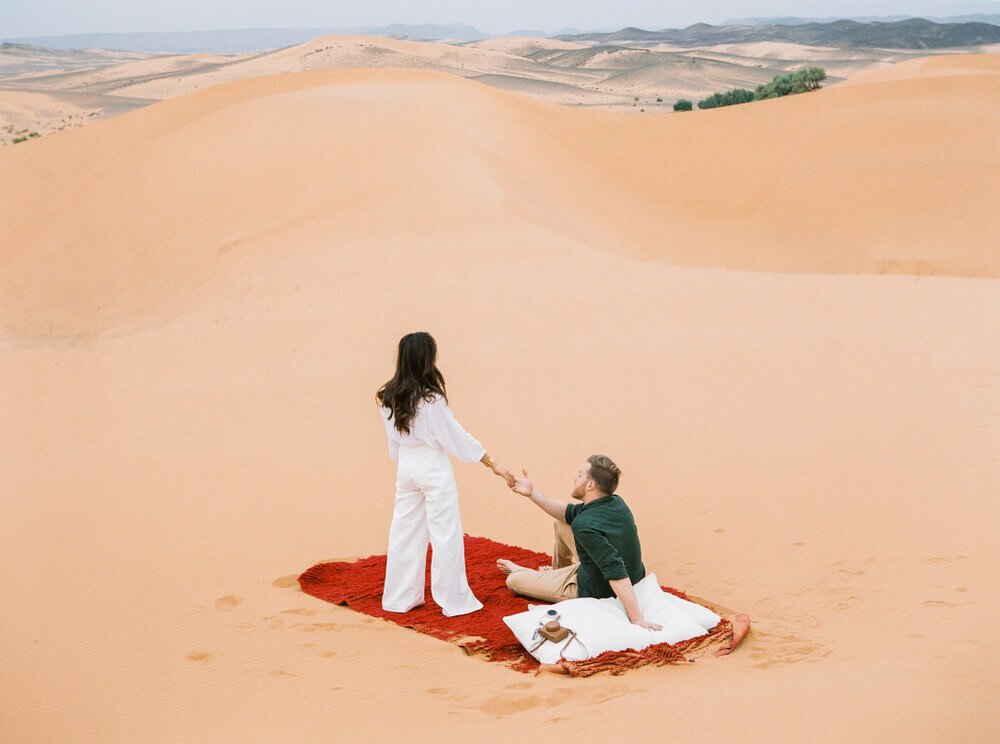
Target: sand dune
column 22, row 114
column 111, row 77
column 687, row 78
column 24, row 58
column 200, row 297
column 568, row 73
column 797, row 52
column 982, row 66
column 552, row 91
column 523, row 46
column 839, row 63
column 50, row 100
column 341, row 52
column 677, row 189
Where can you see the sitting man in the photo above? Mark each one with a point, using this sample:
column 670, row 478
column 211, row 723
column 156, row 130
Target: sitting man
column 600, row 530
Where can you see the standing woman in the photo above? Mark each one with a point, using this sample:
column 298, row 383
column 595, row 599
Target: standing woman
column 422, row 431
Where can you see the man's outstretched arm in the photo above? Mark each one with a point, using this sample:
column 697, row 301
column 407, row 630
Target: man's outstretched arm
column 553, row 507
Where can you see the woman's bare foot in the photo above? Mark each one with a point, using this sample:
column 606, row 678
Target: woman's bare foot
column 508, row 567
column 554, row 668
column 741, row 626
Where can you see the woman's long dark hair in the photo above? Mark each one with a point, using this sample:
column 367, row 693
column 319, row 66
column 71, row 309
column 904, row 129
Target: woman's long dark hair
column 417, row 376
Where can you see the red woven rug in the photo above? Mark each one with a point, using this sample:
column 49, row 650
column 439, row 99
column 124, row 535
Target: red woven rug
column 358, row 585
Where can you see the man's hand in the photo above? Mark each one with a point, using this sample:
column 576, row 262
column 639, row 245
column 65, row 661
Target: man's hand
column 648, row 626
column 625, row 592
column 523, row 486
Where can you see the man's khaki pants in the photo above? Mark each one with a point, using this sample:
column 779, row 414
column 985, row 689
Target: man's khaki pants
column 557, row 584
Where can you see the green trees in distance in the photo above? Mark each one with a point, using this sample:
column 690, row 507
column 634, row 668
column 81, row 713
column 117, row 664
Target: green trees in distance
column 683, row 105
column 792, row 82
column 788, row 84
column 727, row 98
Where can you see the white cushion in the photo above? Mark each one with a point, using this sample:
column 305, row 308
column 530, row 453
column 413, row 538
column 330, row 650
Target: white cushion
column 602, row 624
column 652, row 599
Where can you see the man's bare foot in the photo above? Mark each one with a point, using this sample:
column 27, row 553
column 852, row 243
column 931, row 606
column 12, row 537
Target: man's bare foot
column 741, row 626
column 508, row 567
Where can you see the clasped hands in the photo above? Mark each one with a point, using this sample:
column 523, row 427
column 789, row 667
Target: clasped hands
column 523, row 486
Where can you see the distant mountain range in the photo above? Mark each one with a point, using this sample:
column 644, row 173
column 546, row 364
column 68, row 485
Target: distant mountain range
column 908, row 33
column 795, row 21
column 539, row 34
column 912, row 33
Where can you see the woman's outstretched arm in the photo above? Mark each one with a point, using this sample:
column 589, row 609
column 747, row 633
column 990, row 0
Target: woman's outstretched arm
column 498, row 469
column 455, row 439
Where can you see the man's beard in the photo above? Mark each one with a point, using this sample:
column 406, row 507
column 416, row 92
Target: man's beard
column 578, row 493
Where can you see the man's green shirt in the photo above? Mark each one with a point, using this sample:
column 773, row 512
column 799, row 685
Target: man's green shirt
column 607, row 544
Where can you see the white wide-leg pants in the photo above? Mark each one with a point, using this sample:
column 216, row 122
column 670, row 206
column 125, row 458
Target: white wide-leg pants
column 426, row 510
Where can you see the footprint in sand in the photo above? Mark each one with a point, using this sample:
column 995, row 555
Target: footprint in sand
column 501, row 705
column 199, row 656
column 850, row 572
column 443, row 693
column 852, row 601
column 806, row 621
column 508, row 703
column 939, row 603
column 953, row 558
column 604, row 693
column 300, row 611
column 517, row 698
column 774, row 649
column 560, row 696
column 228, row 603
column 286, row 582
column 282, row 673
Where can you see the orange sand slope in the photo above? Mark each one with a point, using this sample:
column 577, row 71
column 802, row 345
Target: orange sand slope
column 199, row 298
column 866, row 179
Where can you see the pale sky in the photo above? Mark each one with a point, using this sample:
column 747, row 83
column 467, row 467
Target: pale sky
column 53, row 17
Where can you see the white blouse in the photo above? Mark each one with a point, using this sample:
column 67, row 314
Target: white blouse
column 433, row 425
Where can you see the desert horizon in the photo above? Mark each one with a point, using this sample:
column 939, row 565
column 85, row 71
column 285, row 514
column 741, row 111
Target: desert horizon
column 46, row 90
column 780, row 318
